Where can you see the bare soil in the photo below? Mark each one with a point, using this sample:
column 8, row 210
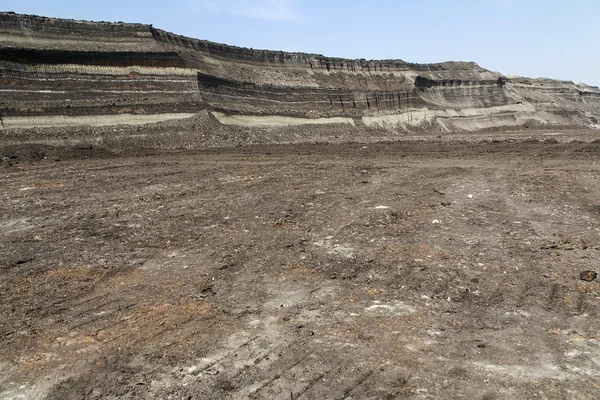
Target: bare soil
column 315, row 271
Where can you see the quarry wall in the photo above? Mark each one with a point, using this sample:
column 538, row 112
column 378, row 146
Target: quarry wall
column 57, row 72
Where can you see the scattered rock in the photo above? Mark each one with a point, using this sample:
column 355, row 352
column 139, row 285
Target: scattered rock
column 549, row 246
column 588, row 275
column 24, row 260
column 211, row 372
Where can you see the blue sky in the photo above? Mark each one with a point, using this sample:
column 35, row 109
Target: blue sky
column 537, row 38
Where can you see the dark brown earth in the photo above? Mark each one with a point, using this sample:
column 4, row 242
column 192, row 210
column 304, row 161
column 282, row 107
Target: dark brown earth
column 182, row 219
column 302, row 271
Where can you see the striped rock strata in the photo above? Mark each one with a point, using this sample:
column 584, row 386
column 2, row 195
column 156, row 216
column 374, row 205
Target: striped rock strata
column 57, row 72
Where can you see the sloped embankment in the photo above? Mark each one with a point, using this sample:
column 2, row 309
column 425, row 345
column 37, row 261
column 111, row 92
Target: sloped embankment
column 58, row 73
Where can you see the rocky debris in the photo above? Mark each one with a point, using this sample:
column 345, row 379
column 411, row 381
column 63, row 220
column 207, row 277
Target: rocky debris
column 588, row 276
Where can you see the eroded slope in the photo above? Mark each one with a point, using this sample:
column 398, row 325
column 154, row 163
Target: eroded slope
column 61, row 72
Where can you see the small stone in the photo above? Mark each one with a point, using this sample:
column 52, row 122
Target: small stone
column 211, row 372
column 588, row 275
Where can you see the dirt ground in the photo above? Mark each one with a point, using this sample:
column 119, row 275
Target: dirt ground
column 417, row 269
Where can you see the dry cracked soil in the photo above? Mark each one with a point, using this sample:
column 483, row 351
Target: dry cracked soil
column 415, row 269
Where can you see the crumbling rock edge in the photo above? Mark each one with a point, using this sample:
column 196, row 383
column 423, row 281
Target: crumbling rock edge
column 60, row 73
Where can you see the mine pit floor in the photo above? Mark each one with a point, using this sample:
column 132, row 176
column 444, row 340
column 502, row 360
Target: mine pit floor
column 318, row 271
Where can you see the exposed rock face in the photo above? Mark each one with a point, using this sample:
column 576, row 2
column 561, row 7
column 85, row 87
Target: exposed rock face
column 58, row 72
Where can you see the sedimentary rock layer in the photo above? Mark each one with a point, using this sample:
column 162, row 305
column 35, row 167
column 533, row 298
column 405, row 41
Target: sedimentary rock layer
column 61, row 72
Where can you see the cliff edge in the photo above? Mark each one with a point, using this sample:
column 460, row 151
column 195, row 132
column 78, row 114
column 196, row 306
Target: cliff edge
column 57, row 72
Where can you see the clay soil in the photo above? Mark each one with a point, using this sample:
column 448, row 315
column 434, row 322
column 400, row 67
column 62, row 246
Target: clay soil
column 317, row 271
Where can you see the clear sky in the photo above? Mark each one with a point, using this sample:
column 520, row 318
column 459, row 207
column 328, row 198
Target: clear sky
column 558, row 39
